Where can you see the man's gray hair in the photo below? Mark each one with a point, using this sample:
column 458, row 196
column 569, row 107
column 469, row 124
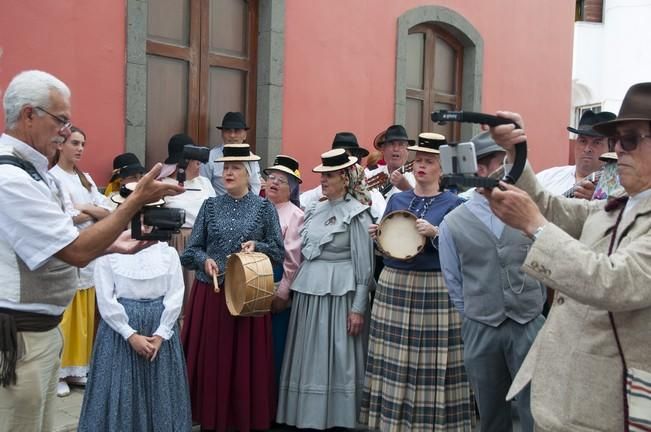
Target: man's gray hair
column 31, row 88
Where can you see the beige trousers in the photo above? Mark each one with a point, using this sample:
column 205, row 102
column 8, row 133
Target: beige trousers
column 29, row 405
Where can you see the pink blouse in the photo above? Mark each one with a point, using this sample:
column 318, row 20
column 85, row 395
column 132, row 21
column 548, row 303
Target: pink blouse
column 291, row 224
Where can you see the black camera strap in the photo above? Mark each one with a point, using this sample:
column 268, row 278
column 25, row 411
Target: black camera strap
column 27, row 166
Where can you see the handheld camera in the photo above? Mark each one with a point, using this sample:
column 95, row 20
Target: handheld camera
column 190, row 152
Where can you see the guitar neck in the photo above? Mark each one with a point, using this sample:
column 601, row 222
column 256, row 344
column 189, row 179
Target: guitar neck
column 592, row 178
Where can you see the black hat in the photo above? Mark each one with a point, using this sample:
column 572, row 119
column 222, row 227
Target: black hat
column 334, row 160
column 175, row 148
column 635, row 106
column 348, row 141
column 233, row 120
column 589, row 119
column 125, row 165
column 286, row 164
column 485, row 145
column 238, row 153
column 397, row 133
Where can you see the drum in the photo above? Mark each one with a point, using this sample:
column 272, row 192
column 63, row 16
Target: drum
column 249, row 284
column 397, row 237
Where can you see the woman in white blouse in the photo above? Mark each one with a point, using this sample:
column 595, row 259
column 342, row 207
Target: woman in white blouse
column 198, row 189
column 137, row 379
column 86, row 206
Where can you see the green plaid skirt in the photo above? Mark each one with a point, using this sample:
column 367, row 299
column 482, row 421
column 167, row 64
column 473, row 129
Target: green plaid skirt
column 415, row 378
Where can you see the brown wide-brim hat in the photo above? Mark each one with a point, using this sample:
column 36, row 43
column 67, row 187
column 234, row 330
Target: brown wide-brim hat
column 126, row 190
column 286, row 164
column 636, row 106
column 334, row 160
column 237, row 153
column 379, row 140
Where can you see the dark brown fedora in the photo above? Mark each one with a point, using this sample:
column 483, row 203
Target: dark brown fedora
column 636, row 106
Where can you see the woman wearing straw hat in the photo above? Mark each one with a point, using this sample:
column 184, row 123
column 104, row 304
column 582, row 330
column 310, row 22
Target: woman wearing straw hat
column 283, row 179
column 415, row 378
column 323, row 368
column 230, row 359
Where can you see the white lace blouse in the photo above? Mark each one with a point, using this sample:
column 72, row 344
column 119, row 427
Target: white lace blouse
column 151, row 273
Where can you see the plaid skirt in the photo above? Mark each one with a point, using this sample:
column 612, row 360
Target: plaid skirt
column 415, row 378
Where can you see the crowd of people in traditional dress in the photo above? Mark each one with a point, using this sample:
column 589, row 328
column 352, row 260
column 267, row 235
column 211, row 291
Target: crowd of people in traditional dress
column 354, row 337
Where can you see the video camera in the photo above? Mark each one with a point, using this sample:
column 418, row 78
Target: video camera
column 459, row 161
column 163, row 221
column 190, row 152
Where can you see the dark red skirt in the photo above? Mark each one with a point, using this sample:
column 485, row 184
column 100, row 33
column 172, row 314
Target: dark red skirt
column 230, row 364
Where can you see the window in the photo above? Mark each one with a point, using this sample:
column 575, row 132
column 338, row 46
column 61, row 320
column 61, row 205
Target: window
column 433, row 79
column 201, row 63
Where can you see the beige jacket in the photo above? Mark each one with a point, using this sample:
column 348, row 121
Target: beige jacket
column 573, row 365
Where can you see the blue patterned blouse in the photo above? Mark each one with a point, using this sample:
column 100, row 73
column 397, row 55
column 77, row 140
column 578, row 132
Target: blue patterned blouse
column 224, row 223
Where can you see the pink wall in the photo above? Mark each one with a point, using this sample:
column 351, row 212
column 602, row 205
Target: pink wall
column 340, row 70
column 82, row 43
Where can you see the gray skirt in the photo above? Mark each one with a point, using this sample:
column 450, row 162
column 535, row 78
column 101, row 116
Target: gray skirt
column 322, row 375
column 126, row 392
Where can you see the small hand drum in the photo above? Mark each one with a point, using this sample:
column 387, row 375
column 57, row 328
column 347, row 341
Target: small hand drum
column 249, row 284
column 397, row 236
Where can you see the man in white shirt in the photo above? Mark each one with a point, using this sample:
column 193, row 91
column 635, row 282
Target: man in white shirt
column 572, row 180
column 233, row 131
column 395, row 153
column 39, row 245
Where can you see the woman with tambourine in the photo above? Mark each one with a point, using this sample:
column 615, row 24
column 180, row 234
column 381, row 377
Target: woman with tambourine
column 415, row 378
column 230, row 358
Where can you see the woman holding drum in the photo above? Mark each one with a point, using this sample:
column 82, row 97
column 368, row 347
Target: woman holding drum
column 415, row 378
column 282, row 189
column 230, row 360
column 323, row 367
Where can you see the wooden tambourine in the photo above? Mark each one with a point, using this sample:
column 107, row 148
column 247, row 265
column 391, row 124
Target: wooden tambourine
column 397, row 236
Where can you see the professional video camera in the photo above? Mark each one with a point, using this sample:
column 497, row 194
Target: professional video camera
column 190, row 152
column 458, row 161
column 163, row 221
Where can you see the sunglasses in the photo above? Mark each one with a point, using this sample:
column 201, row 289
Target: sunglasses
column 628, row 142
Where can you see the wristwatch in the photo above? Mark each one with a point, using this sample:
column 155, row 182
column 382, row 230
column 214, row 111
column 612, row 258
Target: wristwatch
column 534, row 236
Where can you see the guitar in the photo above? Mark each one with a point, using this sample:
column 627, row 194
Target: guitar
column 592, row 178
column 381, row 179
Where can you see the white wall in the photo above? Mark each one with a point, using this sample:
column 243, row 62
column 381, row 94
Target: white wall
column 611, row 56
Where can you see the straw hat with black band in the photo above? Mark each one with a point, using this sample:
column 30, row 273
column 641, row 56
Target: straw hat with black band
column 334, row 160
column 238, row 153
column 286, row 164
column 428, row 142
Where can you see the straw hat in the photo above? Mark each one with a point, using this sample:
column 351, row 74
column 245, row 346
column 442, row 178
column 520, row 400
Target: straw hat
column 126, row 190
column 334, row 160
column 428, row 142
column 286, row 164
column 237, row 153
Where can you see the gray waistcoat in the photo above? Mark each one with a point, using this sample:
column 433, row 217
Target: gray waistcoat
column 494, row 287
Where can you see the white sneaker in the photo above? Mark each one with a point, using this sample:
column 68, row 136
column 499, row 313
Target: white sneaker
column 62, row 389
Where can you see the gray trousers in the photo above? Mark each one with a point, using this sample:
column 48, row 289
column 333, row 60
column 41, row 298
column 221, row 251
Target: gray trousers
column 492, row 356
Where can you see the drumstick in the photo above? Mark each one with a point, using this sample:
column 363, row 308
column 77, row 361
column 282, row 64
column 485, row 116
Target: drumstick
column 214, row 282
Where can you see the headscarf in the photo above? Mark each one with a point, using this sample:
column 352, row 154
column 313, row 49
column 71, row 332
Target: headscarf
column 357, row 184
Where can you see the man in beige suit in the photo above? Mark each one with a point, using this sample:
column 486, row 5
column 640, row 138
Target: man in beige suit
column 574, row 365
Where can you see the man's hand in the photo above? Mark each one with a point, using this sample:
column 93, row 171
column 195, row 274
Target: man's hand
column 507, row 136
column 151, row 190
column 515, row 208
column 584, row 190
column 124, row 244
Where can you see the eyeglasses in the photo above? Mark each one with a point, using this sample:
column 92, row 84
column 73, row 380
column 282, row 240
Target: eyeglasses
column 65, row 123
column 396, row 143
column 272, row 178
column 628, row 142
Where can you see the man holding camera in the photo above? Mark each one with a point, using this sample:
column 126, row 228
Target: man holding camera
column 40, row 247
column 233, row 131
column 501, row 308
